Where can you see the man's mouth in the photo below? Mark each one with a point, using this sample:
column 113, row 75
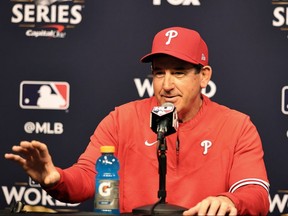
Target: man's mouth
column 169, row 98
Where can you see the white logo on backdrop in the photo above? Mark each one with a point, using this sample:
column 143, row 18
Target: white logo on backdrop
column 178, row 2
column 44, row 95
column 284, row 100
column 48, row 2
column 31, row 195
column 280, row 14
column 47, row 18
column 48, row 100
column 279, row 202
column 147, row 87
column 43, row 128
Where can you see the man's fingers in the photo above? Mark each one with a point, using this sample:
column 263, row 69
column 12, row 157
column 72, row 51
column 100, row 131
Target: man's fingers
column 27, row 152
column 35, row 159
column 29, row 147
column 33, row 150
column 223, row 209
column 41, row 148
column 22, row 148
column 18, row 159
column 204, row 206
column 192, row 211
column 214, row 206
column 233, row 211
column 19, row 149
column 219, row 206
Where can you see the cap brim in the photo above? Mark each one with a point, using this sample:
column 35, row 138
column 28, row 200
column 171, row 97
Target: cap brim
column 149, row 57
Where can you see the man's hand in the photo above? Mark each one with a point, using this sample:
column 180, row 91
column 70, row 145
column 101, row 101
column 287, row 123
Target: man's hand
column 35, row 159
column 219, row 205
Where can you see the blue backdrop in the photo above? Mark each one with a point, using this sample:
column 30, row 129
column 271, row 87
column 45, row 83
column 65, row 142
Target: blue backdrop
column 88, row 52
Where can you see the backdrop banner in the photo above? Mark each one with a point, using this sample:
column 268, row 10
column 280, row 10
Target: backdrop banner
column 65, row 64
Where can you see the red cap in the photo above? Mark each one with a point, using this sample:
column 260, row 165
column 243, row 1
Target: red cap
column 181, row 43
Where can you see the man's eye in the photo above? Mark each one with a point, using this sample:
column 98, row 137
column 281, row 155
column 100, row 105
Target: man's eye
column 179, row 73
column 158, row 73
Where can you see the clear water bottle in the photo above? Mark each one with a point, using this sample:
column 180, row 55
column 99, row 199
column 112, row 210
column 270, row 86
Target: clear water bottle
column 107, row 182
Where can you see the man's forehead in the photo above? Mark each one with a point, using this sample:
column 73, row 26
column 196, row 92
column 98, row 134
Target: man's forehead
column 166, row 61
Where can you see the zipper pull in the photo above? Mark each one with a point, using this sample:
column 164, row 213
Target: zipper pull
column 177, row 149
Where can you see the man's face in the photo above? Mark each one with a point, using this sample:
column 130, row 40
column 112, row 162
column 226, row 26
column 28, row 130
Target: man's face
column 178, row 82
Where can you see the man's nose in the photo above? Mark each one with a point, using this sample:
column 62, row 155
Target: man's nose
column 168, row 81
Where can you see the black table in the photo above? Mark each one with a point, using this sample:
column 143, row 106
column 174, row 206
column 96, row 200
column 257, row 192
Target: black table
column 7, row 213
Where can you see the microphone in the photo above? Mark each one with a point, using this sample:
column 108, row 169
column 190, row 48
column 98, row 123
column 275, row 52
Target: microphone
column 164, row 119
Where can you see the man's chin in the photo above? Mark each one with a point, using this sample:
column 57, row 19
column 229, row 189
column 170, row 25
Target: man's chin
column 170, row 100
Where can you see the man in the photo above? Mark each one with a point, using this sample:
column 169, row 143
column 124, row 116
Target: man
column 214, row 161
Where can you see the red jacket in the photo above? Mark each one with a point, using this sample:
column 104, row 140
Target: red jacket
column 220, row 153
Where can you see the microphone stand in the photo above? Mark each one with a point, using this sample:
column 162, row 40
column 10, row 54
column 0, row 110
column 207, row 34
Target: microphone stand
column 161, row 207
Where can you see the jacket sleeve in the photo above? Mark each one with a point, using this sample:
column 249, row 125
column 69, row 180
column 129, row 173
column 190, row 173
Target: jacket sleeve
column 248, row 181
column 245, row 198
column 77, row 183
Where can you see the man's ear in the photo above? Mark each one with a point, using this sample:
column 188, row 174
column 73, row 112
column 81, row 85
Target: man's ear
column 206, row 74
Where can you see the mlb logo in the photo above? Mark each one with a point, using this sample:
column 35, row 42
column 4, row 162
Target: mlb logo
column 162, row 110
column 284, row 103
column 44, row 95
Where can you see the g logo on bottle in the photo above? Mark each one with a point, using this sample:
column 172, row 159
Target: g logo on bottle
column 105, row 189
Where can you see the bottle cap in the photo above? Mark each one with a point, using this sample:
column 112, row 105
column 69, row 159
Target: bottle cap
column 107, row 149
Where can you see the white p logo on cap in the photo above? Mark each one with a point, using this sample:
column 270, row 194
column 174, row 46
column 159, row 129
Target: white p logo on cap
column 171, row 34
